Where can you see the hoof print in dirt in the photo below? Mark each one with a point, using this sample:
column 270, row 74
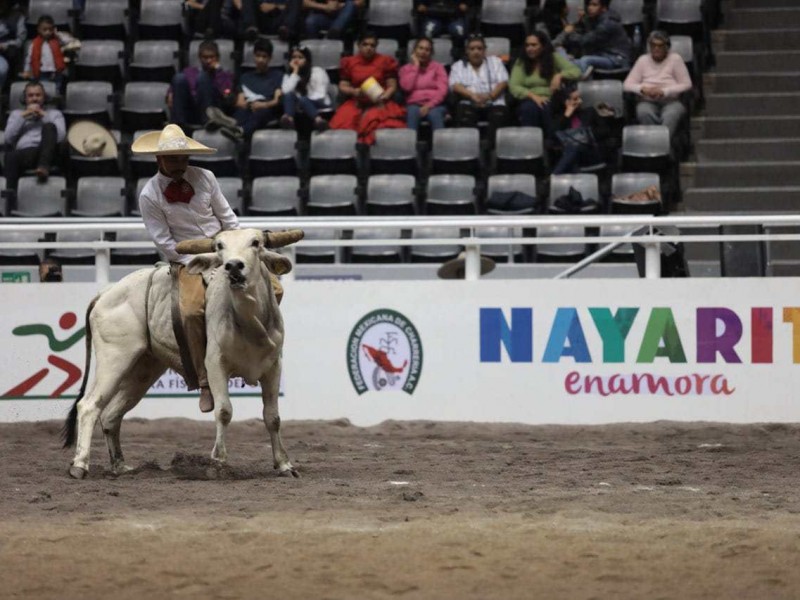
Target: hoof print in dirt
column 410, row 496
column 193, row 466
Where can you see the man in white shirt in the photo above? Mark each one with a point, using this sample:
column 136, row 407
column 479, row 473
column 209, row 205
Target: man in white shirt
column 181, row 203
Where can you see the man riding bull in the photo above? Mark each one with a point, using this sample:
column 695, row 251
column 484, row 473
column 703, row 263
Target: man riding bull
column 179, row 203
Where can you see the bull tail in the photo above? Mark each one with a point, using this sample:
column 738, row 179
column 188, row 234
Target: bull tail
column 68, row 432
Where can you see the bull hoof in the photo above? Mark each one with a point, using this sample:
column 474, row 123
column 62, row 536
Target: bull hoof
column 78, row 472
column 290, row 472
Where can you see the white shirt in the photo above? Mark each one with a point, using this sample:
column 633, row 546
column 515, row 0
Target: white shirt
column 317, row 88
column 48, row 64
column 480, row 81
column 204, row 216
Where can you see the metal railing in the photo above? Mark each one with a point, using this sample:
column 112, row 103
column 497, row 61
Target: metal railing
column 648, row 231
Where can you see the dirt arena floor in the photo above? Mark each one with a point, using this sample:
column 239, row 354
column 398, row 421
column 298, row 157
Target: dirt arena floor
column 407, row 510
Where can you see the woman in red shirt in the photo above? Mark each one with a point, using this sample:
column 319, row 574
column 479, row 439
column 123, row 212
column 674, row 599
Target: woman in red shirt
column 360, row 112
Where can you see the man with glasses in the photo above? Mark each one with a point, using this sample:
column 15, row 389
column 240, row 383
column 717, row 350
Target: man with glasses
column 479, row 83
column 658, row 79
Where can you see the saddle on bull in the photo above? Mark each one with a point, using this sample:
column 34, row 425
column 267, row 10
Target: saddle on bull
column 131, row 326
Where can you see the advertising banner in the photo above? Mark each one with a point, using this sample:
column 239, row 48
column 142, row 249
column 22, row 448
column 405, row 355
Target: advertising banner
column 538, row 351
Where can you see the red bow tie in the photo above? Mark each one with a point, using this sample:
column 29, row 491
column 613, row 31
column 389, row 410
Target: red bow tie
column 179, row 191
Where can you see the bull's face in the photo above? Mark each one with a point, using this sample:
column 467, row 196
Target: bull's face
column 240, row 253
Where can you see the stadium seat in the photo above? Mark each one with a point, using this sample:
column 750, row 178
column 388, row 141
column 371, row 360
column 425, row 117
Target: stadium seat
column 387, row 46
column 101, row 60
column 100, row 197
column 317, row 254
column 390, row 18
column 606, row 90
column 501, row 253
column 223, row 162
column 391, row 195
column 104, row 20
column 503, row 18
column 519, row 150
column 498, row 46
column 232, row 189
column 141, row 165
column 95, row 166
column 93, row 100
column 647, row 149
column 140, row 183
column 333, row 152
column 160, row 20
column 560, row 252
column 226, row 54
column 154, row 60
column 20, row 256
column 75, row 255
column 422, row 253
column 41, row 199
column 332, row 195
column 451, row 195
column 390, row 253
column 512, row 183
column 624, row 184
column 456, row 150
column 275, row 196
column 623, row 252
column 144, row 106
column 4, row 194
column 326, row 54
column 442, row 51
column 135, row 256
column 278, row 61
column 685, row 17
column 272, row 152
column 585, row 183
column 58, row 9
column 394, row 151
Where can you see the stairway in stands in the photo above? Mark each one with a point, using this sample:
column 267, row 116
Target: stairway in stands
column 748, row 143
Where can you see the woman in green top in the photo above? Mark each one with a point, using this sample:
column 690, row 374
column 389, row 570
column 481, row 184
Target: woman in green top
column 534, row 78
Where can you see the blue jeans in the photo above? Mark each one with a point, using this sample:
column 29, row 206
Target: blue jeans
column 435, row 116
column 531, row 114
column 188, row 109
column 457, row 28
column 251, row 120
column 601, row 61
column 576, row 156
column 316, row 21
column 307, row 106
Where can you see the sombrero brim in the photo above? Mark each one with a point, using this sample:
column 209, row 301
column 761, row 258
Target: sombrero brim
column 455, row 269
column 80, row 130
column 148, row 144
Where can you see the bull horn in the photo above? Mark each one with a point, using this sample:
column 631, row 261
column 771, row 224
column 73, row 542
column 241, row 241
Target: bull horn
column 279, row 239
column 201, row 246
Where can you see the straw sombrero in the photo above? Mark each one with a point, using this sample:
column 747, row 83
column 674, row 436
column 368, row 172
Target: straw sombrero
column 169, row 141
column 90, row 139
column 454, row 269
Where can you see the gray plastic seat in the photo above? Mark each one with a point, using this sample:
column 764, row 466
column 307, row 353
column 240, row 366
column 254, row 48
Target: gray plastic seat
column 144, row 105
column 505, row 253
column 683, row 46
column 41, row 199
column 223, row 161
column 278, row 60
column 100, row 197
column 326, row 54
column 58, row 9
column 519, row 150
column 625, row 251
column 390, row 253
column 512, row 183
column 387, row 46
column 89, row 100
column 75, row 255
column 3, row 198
column 273, row 152
column 390, row 18
column 645, row 141
column 95, row 166
column 154, row 60
column 574, row 6
column 450, row 195
column 231, row 188
column 226, row 54
column 275, row 196
column 317, row 254
column 585, row 183
column 140, row 183
column 442, row 50
column 435, row 253
column 623, row 184
column 101, row 60
column 630, row 11
column 333, row 195
column 20, row 256
column 104, row 20
column 456, row 150
column 503, row 18
column 394, row 151
column 560, row 251
column 603, row 90
column 679, row 11
column 142, row 165
column 137, row 256
column 391, row 195
column 498, row 46
column 333, row 152
column 160, row 19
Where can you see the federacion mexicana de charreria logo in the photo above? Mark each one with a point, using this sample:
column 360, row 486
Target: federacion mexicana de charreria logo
column 384, row 353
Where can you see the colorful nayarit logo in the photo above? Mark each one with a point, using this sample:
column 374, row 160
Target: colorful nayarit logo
column 73, row 373
column 384, row 353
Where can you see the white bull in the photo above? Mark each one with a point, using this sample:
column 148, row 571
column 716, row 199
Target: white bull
column 131, row 324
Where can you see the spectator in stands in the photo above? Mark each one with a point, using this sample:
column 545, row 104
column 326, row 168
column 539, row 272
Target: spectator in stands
column 12, row 39
column 579, row 129
column 33, row 135
column 45, row 58
column 535, row 76
column 369, row 81
column 331, row 15
column 479, row 83
column 259, row 92
column 425, row 83
column 249, row 18
column 552, row 18
column 50, row 271
column 603, row 41
column 440, row 16
column 203, row 18
column 658, row 79
column 305, row 87
column 198, row 93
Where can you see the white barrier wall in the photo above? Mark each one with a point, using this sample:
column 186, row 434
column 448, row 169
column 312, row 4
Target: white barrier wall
column 583, row 351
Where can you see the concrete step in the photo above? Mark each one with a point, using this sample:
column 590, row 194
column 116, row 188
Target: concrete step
column 756, row 61
column 783, row 268
column 753, row 104
column 764, row 18
column 783, row 250
column 749, row 127
column 748, row 149
column 743, row 82
column 741, row 199
column 747, row 174
column 760, row 39
column 765, row 4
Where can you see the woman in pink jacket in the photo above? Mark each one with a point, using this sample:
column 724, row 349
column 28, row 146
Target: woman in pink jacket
column 425, row 83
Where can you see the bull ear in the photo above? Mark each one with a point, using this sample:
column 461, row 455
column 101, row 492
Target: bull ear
column 195, row 246
column 276, row 263
column 203, row 262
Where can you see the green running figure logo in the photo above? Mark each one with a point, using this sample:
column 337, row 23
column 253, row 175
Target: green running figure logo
column 67, row 321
